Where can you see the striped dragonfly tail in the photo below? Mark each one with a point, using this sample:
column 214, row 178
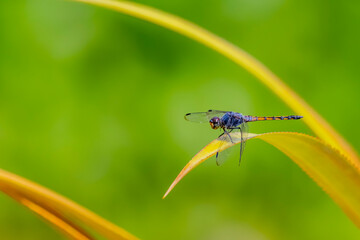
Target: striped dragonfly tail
column 255, row 118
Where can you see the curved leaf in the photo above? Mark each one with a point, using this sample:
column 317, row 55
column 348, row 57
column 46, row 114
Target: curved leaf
column 67, row 216
column 330, row 169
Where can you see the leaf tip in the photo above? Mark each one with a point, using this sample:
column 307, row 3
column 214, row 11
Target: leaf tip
column 170, row 188
column 167, row 192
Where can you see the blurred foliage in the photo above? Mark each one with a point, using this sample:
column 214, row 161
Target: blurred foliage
column 92, row 105
column 69, row 218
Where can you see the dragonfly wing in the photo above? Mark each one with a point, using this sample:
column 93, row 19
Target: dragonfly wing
column 216, row 112
column 244, row 130
column 224, row 155
column 203, row 117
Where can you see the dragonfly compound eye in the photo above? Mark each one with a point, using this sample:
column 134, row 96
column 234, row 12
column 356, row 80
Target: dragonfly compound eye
column 215, row 122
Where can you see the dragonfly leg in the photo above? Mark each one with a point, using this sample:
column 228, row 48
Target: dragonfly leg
column 217, row 153
column 228, row 135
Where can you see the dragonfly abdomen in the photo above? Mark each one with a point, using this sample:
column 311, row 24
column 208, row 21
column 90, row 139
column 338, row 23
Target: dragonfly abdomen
column 255, row 118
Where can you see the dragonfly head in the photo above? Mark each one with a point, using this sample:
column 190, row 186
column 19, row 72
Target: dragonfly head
column 215, row 122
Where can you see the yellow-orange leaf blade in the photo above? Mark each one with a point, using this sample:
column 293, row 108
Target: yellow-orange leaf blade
column 331, row 170
column 66, row 215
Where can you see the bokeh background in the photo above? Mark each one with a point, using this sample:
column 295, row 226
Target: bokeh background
column 92, row 105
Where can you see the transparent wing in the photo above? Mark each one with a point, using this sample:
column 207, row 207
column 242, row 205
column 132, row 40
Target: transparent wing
column 203, row 117
column 221, row 157
column 244, row 130
column 226, row 137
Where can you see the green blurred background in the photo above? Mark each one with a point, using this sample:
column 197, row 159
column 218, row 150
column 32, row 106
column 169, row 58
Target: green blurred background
column 92, row 104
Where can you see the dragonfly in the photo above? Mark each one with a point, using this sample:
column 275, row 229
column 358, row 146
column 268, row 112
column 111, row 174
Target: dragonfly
column 229, row 122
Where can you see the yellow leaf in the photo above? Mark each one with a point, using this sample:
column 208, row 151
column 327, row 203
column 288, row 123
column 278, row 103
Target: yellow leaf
column 67, row 216
column 330, row 169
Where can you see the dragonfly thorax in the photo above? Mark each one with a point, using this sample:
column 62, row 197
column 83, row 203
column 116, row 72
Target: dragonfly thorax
column 231, row 120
